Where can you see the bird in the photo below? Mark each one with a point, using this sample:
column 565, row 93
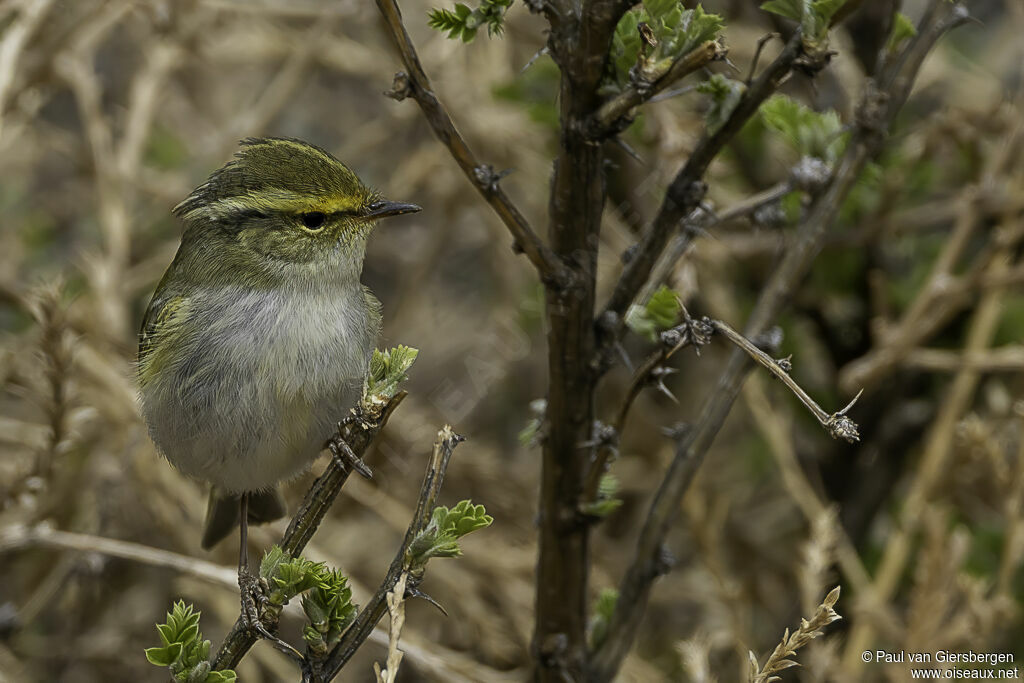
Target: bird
column 257, row 338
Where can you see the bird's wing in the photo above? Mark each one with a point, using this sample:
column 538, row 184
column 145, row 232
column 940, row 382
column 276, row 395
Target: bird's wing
column 162, row 314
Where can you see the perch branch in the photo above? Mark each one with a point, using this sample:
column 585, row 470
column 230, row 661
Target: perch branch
column 358, row 433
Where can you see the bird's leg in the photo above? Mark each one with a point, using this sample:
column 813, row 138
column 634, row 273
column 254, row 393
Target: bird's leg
column 251, row 588
column 248, row 583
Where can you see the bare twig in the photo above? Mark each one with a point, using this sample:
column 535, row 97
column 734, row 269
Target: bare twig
column 838, row 425
column 358, row 433
column 681, row 242
column 414, row 83
column 690, row 332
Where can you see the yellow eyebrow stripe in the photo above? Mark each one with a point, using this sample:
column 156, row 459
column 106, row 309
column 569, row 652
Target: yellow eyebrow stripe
column 273, row 199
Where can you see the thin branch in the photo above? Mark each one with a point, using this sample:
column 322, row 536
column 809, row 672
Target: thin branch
column 689, row 332
column 1005, row 359
column 606, row 120
column 876, row 113
column 16, row 36
column 375, row 608
column 680, row 243
column 414, row 83
column 20, row 536
column 838, row 425
column 358, row 433
column 687, row 190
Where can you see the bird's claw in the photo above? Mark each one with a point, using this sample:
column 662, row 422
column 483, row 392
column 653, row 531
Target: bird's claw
column 254, row 599
column 347, row 459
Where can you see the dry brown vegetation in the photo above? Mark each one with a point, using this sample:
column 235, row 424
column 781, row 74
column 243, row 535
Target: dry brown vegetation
column 112, row 110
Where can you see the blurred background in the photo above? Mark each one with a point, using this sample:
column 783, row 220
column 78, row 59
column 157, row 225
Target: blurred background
column 111, row 111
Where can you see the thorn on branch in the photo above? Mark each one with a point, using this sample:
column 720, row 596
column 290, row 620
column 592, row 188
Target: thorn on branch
column 488, row 178
column 664, row 562
column 785, row 364
column 678, row 431
column 602, row 436
column 657, row 380
column 769, row 215
column 401, row 87
column 810, row 175
column 412, row 592
column 629, row 253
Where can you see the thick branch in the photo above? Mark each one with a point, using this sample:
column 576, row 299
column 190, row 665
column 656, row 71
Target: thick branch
column 877, row 111
column 414, row 83
column 358, row 433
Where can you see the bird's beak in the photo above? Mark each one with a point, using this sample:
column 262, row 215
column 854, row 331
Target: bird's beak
column 384, row 208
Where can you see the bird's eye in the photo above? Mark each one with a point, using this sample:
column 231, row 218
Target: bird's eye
column 313, row 219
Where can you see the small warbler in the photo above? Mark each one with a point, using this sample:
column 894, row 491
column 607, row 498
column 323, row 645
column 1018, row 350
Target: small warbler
column 258, row 336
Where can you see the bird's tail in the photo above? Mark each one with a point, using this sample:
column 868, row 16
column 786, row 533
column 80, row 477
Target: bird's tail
column 222, row 512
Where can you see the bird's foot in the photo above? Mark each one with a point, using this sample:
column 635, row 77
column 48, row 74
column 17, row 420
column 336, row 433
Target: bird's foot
column 347, row 459
column 254, row 599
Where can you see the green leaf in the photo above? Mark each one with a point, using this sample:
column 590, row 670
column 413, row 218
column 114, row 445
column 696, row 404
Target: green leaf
column 166, row 633
column 810, row 133
column 603, row 610
column 725, row 95
column 272, row 558
column 225, row 676
column 528, row 434
column 791, row 9
column 446, row 526
column 902, row 29
column 660, row 313
column 824, row 10
column 464, row 21
column 606, row 502
column 294, row 576
column 814, row 16
column 164, row 656
column 676, row 31
column 330, row 610
column 387, row 370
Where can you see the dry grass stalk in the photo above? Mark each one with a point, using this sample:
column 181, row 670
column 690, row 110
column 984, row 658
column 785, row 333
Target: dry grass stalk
column 396, row 608
column 778, row 660
column 695, row 653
